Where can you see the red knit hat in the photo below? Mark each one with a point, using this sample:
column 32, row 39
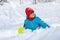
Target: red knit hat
column 29, row 11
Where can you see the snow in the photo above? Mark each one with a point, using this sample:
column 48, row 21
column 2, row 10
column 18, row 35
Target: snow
column 12, row 16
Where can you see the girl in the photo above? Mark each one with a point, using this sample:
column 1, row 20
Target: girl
column 33, row 22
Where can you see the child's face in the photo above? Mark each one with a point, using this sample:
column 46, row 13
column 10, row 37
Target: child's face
column 32, row 15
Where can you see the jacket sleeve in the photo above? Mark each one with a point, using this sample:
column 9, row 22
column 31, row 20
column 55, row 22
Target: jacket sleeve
column 24, row 25
column 42, row 23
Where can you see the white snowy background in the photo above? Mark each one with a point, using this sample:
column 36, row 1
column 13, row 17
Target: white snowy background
column 12, row 16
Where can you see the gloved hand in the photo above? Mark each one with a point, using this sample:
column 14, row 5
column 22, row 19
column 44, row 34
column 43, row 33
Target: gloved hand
column 21, row 30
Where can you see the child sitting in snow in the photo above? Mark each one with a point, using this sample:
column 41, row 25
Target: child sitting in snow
column 32, row 21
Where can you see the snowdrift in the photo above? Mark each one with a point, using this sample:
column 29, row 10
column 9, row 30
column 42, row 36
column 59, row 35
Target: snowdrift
column 12, row 16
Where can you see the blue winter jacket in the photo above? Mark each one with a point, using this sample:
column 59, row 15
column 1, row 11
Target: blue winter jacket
column 35, row 23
